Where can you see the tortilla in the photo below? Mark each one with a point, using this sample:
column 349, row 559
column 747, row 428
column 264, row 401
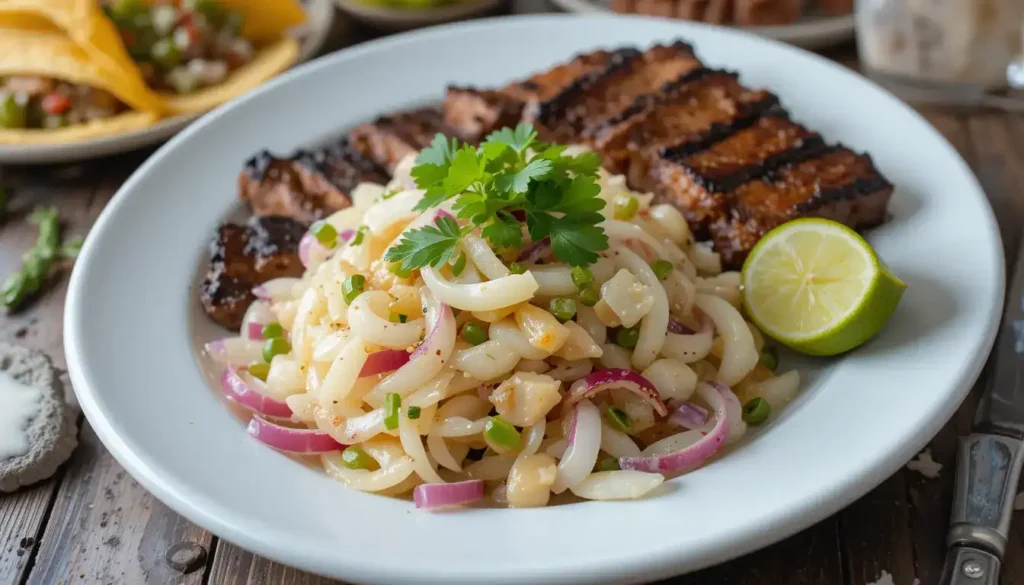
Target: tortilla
column 266, row 23
column 85, row 22
column 53, row 55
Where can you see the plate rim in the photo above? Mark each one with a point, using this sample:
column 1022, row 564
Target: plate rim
column 658, row 566
column 163, row 129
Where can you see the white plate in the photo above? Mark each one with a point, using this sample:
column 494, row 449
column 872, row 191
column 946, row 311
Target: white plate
column 399, row 19
column 131, row 315
column 313, row 34
column 811, row 32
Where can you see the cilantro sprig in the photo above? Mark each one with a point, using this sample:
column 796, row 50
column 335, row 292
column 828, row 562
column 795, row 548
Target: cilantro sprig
column 510, row 180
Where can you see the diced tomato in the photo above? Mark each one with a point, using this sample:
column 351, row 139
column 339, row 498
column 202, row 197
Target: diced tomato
column 186, row 18
column 127, row 38
column 192, row 30
column 56, row 103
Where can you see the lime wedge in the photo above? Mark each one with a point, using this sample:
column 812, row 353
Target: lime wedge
column 818, row 287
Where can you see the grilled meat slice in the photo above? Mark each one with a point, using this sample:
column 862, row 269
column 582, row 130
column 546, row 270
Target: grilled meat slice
column 837, row 184
column 581, row 106
column 390, row 138
column 472, row 114
column 701, row 109
column 308, row 185
column 766, row 12
column 242, row 257
column 697, row 181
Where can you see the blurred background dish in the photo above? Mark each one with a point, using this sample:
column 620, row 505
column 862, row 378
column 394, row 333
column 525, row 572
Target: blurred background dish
column 395, row 15
column 810, row 24
column 311, row 35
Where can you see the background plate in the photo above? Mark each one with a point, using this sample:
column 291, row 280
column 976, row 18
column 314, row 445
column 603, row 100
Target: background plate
column 313, row 34
column 130, row 314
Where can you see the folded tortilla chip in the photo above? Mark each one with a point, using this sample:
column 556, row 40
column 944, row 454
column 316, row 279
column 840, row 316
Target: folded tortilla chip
column 85, row 23
column 265, row 24
column 53, row 55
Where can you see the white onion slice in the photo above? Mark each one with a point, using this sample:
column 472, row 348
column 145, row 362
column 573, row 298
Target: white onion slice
column 235, row 350
column 485, row 296
column 584, row 443
column 617, row 485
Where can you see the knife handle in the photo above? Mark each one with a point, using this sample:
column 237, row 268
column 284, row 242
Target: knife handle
column 988, row 469
column 970, row 566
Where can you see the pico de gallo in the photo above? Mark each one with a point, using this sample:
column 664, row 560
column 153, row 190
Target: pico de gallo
column 42, row 103
column 181, row 45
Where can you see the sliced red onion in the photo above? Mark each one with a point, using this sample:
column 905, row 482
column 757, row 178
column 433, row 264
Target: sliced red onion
column 689, row 416
column 535, row 251
column 615, row 378
column 347, row 234
column 255, row 331
column 677, row 326
column 384, row 361
column 310, row 248
column 437, row 495
column 289, row 440
column 722, row 400
column 238, row 390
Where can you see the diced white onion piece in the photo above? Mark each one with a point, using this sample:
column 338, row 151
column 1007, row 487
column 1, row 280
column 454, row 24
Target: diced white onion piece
column 655, row 321
column 579, row 345
column 627, row 297
column 673, row 379
column 487, row 361
column 541, row 328
column 530, row 480
column 526, row 398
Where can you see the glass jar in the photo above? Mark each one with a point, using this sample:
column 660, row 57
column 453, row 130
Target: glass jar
column 964, row 52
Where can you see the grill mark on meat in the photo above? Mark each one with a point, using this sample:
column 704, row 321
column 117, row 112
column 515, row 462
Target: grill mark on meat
column 390, row 138
column 605, row 94
column 837, row 184
column 306, row 186
column 242, row 257
column 696, row 182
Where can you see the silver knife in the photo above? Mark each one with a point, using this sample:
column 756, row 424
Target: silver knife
column 990, row 458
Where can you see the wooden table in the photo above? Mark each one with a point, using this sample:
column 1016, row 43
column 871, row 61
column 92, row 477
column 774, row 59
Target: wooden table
column 93, row 524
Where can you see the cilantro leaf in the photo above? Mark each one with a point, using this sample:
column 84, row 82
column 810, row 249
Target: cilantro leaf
column 581, row 196
column 575, row 242
column 519, row 182
column 466, row 168
column 519, row 139
column 434, row 196
column 427, row 174
column 440, row 151
column 432, row 244
column 585, row 163
column 504, row 231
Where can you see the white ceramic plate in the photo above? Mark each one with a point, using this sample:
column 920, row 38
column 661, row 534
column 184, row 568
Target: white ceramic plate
column 313, row 34
column 811, row 32
column 399, row 19
column 132, row 313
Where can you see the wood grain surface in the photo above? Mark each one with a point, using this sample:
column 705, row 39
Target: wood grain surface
column 93, row 524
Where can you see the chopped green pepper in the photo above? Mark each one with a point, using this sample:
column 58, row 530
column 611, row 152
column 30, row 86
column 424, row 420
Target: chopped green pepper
column 626, row 208
column 396, row 269
column 260, row 371
column 769, row 358
column 272, row 330
column 12, row 114
column 516, row 268
column 392, row 403
column 360, row 235
column 275, row 346
column 609, row 464
column 355, row 458
column 589, row 296
column 324, row 233
column 563, row 309
column 474, row 334
column 500, row 432
column 662, row 268
column 756, row 411
column 352, row 287
column 627, row 337
column 413, row 412
column 618, row 419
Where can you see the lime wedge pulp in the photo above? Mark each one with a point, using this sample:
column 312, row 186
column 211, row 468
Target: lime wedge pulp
column 818, row 287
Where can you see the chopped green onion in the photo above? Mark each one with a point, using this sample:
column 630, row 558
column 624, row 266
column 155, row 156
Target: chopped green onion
column 392, row 402
column 609, row 464
column 353, row 287
column 756, row 411
column 582, row 277
column 413, row 412
column 166, row 53
column 516, row 268
column 272, row 330
column 396, row 269
column 589, row 296
column 360, row 234
column 662, row 268
column 324, row 233
column 473, row 333
column 259, row 371
column 769, row 358
column 500, row 432
column 398, row 317
column 618, row 419
column 460, row 265
column 563, row 309
column 355, row 458
column 626, row 208
column 627, row 337
column 275, row 346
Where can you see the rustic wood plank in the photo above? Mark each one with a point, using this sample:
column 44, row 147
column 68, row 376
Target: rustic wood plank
column 235, row 566
column 23, row 514
column 874, row 534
